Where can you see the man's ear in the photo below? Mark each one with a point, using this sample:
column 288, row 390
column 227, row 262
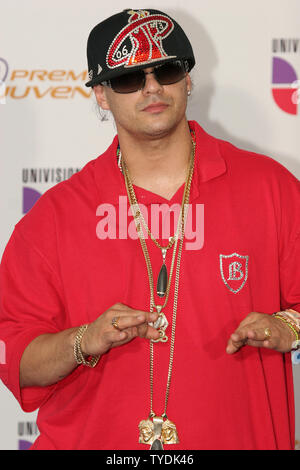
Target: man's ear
column 100, row 94
column 189, row 83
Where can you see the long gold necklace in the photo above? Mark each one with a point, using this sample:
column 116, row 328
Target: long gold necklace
column 159, row 430
column 162, row 280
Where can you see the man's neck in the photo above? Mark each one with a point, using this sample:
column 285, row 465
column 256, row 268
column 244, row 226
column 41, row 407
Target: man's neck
column 158, row 165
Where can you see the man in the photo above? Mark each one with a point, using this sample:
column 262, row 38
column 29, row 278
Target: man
column 91, row 339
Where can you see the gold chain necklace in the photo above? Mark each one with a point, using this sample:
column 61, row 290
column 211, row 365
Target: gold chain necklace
column 162, row 280
column 162, row 322
column 161, row 430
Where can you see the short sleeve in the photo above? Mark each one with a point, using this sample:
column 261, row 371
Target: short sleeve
column 31, row 304
column 290, row 277
column 289, row 243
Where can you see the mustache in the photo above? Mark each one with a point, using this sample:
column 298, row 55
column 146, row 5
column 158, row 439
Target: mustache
column 152, row 101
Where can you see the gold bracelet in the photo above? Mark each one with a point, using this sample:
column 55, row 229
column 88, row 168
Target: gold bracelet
column 77, row 349
column 292, row 316
column 289, row 319
column 288, row 324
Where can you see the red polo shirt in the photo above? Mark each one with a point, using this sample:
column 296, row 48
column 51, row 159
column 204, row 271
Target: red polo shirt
column 57, row 272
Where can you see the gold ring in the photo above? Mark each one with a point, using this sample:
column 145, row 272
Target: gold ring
column 267, row 333
column 114, row 322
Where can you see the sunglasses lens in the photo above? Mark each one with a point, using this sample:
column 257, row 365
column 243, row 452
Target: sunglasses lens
column 170, row 73
column 128, row 83
column 165, row 74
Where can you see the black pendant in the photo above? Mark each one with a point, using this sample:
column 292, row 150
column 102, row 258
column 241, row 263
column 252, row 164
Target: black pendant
column 157, row 445
column 162, row 281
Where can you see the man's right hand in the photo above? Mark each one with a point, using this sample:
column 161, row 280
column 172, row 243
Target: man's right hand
column 101, row 335
column 50, row 357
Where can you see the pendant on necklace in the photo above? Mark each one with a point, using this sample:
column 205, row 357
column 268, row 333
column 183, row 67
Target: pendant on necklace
column 161, row 325
column 162, row 280
column 157, row 432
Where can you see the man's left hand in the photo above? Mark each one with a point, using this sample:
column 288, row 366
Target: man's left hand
column 252, row 331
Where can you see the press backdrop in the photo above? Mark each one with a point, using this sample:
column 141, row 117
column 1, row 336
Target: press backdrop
column 246, row 90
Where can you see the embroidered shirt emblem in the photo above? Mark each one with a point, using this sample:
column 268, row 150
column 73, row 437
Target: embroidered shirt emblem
column 140, row 42
column 234, row 271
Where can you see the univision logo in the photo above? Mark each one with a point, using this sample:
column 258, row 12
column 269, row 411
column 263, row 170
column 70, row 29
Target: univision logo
column 24, row 445
column 285, row 82
column 286, row 86
column 27, row 431
column 30, row 196
column 3, row 76
column 43, row 177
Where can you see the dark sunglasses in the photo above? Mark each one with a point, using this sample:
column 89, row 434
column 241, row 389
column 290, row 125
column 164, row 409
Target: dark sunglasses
column 165, row 74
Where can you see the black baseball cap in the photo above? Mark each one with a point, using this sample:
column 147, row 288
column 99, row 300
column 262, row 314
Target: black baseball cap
column 132, row 40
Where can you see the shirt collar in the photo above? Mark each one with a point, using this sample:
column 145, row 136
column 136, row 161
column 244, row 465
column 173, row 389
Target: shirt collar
column 209, row 164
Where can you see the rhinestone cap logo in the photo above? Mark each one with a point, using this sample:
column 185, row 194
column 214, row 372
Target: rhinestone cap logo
column 140, row 42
